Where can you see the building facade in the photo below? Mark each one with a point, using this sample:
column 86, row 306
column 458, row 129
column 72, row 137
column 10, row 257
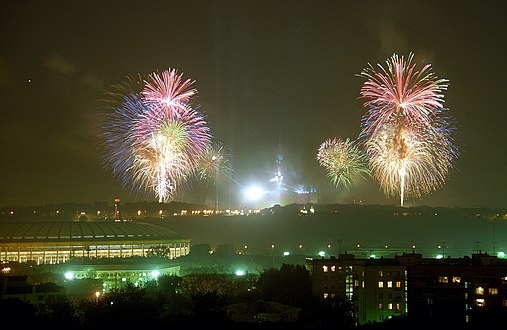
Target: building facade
column 375, row 288
column 39, row 295
column 458, row 291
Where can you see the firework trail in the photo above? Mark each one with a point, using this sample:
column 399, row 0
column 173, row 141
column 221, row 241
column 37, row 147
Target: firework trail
column 406, row 130
column 153, row 136
column 343, row 160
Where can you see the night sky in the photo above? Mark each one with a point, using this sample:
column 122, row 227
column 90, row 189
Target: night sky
column 267, row 72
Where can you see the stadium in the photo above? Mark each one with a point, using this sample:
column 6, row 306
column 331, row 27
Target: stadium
column 58, row 242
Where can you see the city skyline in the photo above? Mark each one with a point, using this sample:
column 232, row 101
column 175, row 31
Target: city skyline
column 267, row 74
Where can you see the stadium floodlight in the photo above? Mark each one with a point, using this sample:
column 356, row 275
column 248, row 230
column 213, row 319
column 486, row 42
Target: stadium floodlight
column 254, row 193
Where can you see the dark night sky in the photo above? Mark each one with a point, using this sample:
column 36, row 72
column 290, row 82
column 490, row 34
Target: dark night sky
column 263, row 70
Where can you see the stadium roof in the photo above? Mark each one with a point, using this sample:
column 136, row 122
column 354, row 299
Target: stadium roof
column 84, row 231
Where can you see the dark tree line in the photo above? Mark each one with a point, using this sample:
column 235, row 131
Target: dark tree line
column 178, row 302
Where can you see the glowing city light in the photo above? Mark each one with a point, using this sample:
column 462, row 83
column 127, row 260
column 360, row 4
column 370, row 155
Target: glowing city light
column 254, row 193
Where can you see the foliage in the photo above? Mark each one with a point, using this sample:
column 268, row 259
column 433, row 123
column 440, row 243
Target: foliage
column 291, row 285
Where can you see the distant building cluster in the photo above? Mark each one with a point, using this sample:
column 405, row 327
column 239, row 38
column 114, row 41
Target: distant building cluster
column 457, row 290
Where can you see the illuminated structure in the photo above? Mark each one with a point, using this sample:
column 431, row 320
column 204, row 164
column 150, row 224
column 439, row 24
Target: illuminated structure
column 278, row 178
column 117, row 213
column 457, row 291
column 57, row 242
column 119, row 274
column 375, row 288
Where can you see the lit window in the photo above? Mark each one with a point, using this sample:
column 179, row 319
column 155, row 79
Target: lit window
column 456, row 279
column 333, row 268
column 479, row 290
column 326, row 295
column 443, row 279
column 356, row 283
column 380, row 306
column 480, row 302
column 390, row 306
column 362, row 284
column 398, row 284
column 504, row 302
column 380, row 284
column 389, row 284
column 493, row 291
column 380, row 273
column 398, row 307
column 324, row 268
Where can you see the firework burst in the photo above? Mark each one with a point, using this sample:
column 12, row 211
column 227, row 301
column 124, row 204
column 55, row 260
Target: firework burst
column 212, row 161
column 406, row 130
column 153, row 136
column 400, row 93
column 408, row 163
column 344, row 162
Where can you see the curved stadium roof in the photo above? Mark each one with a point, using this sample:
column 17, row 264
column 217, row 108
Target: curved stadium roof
column 84, row 232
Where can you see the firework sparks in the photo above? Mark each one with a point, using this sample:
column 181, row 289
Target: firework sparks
column 344, row 161
column 406, row 130
column 153, row 136
column 408, row 163
column 401, row 93
column 211, row 162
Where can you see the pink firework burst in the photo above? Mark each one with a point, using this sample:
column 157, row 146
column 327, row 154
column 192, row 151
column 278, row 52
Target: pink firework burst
column 154, row 135
column 400, row 92
column 406, row 129
column 168, row 90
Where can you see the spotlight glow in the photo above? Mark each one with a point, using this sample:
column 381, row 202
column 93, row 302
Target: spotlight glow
column 254, row 193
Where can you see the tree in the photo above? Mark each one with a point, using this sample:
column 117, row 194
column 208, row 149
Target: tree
column 291, row 285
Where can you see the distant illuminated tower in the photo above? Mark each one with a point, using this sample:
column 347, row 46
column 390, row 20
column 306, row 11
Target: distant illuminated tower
column 278, row 178
column 117, row 213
